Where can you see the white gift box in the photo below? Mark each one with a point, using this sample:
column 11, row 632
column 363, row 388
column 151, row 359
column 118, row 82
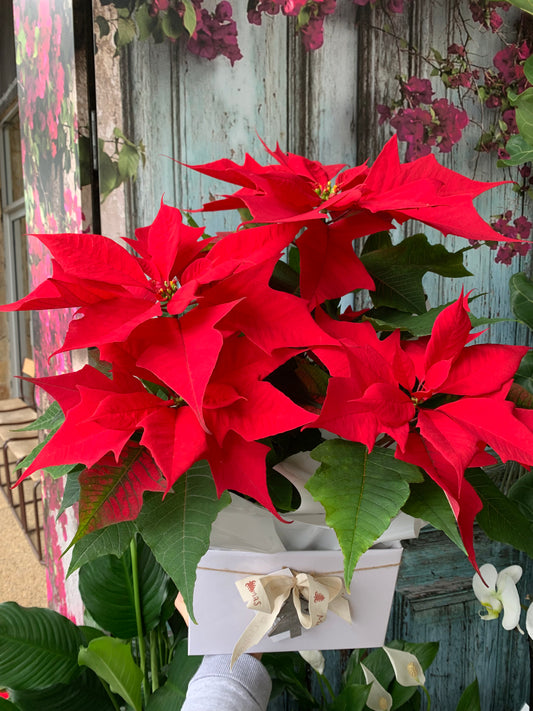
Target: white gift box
column 247, row 540
column 222, row 615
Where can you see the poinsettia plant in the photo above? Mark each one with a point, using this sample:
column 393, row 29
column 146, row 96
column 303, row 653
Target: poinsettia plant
column 221, row 355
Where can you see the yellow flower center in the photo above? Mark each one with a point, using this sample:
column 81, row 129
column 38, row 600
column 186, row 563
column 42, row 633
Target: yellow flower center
column 383, row 703
column 165, row 291
column 412, row 670
column 325, row 191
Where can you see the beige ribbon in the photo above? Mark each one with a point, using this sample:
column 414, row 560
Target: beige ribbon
column 266, row 595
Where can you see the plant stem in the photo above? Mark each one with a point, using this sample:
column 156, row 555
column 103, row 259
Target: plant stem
column 530, row 672
column 138, row 616
column 426, row 692
column 322, row 690
column 111, row 696
column 154, row 658
column 328, row 686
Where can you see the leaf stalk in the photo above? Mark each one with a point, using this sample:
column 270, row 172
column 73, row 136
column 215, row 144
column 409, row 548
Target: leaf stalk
column 138, row 616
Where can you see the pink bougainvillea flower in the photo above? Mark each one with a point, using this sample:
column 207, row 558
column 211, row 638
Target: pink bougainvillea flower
column 440, row 399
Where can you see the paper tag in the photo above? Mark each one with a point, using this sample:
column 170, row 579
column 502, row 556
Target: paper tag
column 287, row 623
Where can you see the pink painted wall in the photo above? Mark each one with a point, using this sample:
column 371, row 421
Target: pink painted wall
column 44, row 40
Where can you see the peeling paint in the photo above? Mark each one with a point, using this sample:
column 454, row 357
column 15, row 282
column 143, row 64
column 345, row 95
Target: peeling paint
column 48, row 117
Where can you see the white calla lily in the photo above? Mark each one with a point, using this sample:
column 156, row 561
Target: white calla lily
column 499, row 593
column 407, row 668
column 315, row 659
column 529, row 620
column 379, row 698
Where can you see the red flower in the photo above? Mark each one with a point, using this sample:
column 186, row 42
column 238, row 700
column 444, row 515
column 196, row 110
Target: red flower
column 102, row 415
column 362, row 201
column 126, row 299
column 114, row 290
column 443, row 403
column 299, row 190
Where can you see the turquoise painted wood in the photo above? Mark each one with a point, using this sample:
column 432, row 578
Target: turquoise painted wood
column 324, row 105
column 434, row 602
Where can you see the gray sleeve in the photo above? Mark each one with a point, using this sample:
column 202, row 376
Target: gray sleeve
column 215, row 687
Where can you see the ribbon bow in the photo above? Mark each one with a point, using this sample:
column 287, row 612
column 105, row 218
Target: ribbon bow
column 266, row 594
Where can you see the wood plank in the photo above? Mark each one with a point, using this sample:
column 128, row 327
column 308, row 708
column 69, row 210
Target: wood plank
column 324, row 105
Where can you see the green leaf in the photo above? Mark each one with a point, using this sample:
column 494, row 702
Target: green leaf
column 524, row 114
column 525, row 5
column 528, row 65
column 6, row 705
column 61, row 470
column 111, row 540
column 500, row 517
column 38, row 647
column 89, row 633
column 353, row 674
column 177, row 528
column 106, row 588
column 470, row 700
column 103, row 25
column 84, row 693
column 172, row 24
column 524, row 374
column 28, row 459
column 288, row 671
column 520, row 396
column 285, row 277
column 378, row 662
column 428, row 502
column 126, row 32
column 112, row 661
column 384, row 319
column 283, row 494
column 303, row 17
column 398, row 271
column 189, row 18
column 128, row 162
column 425, row 652
column 521, row 288
column 112, row 492
column 108, row 176
column 519, row 150
column 361, row 493
column 351, row 698
column 146, row 24
column 521, row 493
column 171, row 695
column 84, row 153
column 71, row 492
column 51, row 419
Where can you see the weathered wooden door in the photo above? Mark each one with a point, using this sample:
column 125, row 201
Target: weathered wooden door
column 187, row 110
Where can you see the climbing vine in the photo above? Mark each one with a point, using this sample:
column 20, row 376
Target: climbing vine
column 429, row 112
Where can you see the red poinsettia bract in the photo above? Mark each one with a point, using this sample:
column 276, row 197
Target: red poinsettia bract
column 442, row 401
column 361, row 201
column 102, row 414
